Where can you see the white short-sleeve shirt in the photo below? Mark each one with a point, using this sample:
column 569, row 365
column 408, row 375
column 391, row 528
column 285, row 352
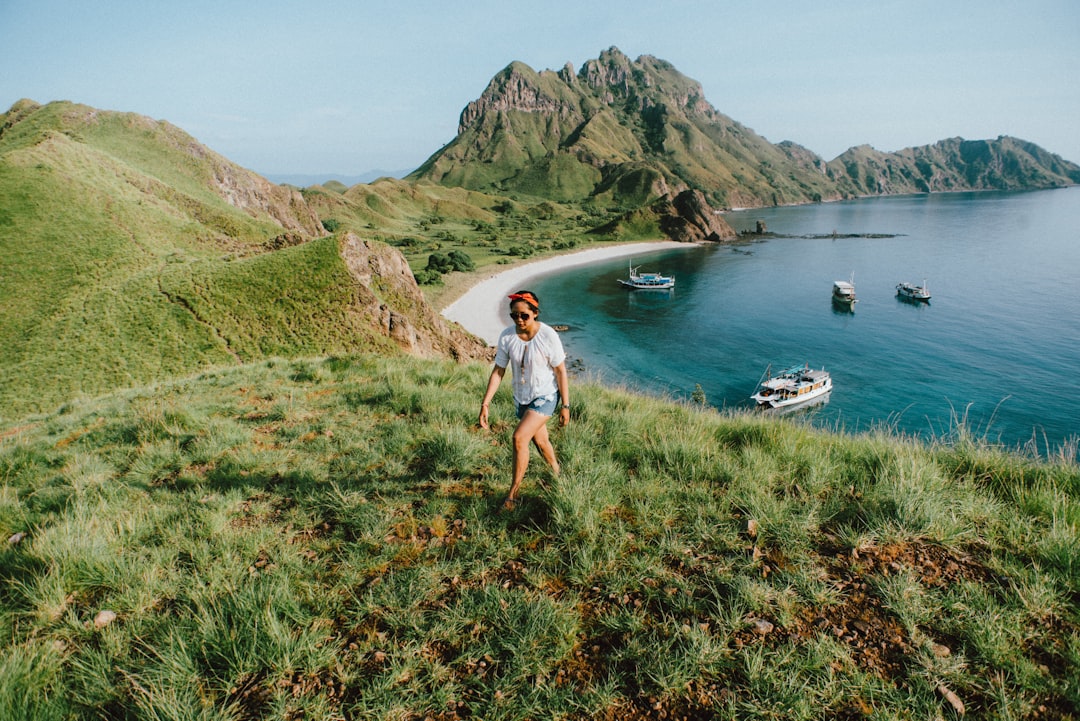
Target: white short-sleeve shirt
column 531, row 362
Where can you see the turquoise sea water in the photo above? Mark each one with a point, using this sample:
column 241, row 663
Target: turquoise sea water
column 998, row 345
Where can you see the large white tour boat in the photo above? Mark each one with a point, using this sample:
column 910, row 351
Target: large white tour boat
column 794, row 386
column 647, row 281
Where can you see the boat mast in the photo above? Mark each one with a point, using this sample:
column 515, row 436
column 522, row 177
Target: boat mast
column 764, row 376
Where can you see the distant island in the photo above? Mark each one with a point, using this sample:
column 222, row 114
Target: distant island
column 303, row 180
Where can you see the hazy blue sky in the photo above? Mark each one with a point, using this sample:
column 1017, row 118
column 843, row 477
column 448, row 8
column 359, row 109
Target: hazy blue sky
column 347, row 87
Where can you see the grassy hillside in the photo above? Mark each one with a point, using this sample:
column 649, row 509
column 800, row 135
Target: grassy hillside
column 423, row 218
column 319, row 539
column 129, row 253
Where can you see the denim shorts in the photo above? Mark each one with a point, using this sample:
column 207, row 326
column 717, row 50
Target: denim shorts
column 544, row 405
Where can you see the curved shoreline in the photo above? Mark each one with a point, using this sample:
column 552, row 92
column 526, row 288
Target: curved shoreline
column 481, row 309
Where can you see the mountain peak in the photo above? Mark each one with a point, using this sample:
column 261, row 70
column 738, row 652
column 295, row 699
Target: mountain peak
column 23, row 105
column 516, row 87
column 625, row 133
column 619, row 131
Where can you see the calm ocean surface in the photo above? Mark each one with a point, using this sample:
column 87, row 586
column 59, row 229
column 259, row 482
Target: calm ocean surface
column 998, row 344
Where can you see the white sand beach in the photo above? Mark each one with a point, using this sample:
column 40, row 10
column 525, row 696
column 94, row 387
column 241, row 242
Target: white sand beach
column 482, row 310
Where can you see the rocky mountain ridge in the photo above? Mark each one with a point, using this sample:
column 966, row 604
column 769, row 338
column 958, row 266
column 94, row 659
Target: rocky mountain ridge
column 953, row 164
column 628, row 133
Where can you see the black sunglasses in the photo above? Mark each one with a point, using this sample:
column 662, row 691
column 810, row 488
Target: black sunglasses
column 520, row 316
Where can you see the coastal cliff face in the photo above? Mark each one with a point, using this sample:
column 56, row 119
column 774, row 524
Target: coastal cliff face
column 628, row 133
column 389, row 294
column 686, row 218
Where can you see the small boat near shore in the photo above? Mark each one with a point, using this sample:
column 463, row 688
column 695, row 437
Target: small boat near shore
column 792, row 387
column 647, row 281
column 843, row 293
column 910, row 291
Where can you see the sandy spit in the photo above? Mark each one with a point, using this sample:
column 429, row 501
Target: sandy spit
column 482, row 310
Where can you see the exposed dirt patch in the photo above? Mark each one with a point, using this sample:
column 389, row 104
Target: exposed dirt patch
column 875, row 637
column 261, row 509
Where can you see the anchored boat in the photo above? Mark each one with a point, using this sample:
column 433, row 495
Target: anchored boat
column 794, row 386
column 843, row 292
column 647, row 281
column 910, row 291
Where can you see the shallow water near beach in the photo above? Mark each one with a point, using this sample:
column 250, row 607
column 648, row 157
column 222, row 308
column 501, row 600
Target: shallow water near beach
column 997, row 346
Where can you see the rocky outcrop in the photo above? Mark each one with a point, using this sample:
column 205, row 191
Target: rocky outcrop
column 388, row 293
column 689, row 218
column 518, row 88
column 257, row 196
column 239, row 187
column 686, row 218
column 609, row 75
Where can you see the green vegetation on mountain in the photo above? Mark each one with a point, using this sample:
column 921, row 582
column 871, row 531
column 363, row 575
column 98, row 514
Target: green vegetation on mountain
column 954, row 164
column 618, row 132
column 319, row 538
column 626, row 133
column 130, row 253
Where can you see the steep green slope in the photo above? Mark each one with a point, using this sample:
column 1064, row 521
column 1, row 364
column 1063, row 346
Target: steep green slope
column 130, row 252
column 169, row 172
column 277, row 304
column 398, row 208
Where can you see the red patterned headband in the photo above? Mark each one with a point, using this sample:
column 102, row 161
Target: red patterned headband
column 527, row 297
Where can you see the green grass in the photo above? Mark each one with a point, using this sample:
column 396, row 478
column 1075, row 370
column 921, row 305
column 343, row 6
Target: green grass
column 319, row 539
column 124, row 264
column 117, row 255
